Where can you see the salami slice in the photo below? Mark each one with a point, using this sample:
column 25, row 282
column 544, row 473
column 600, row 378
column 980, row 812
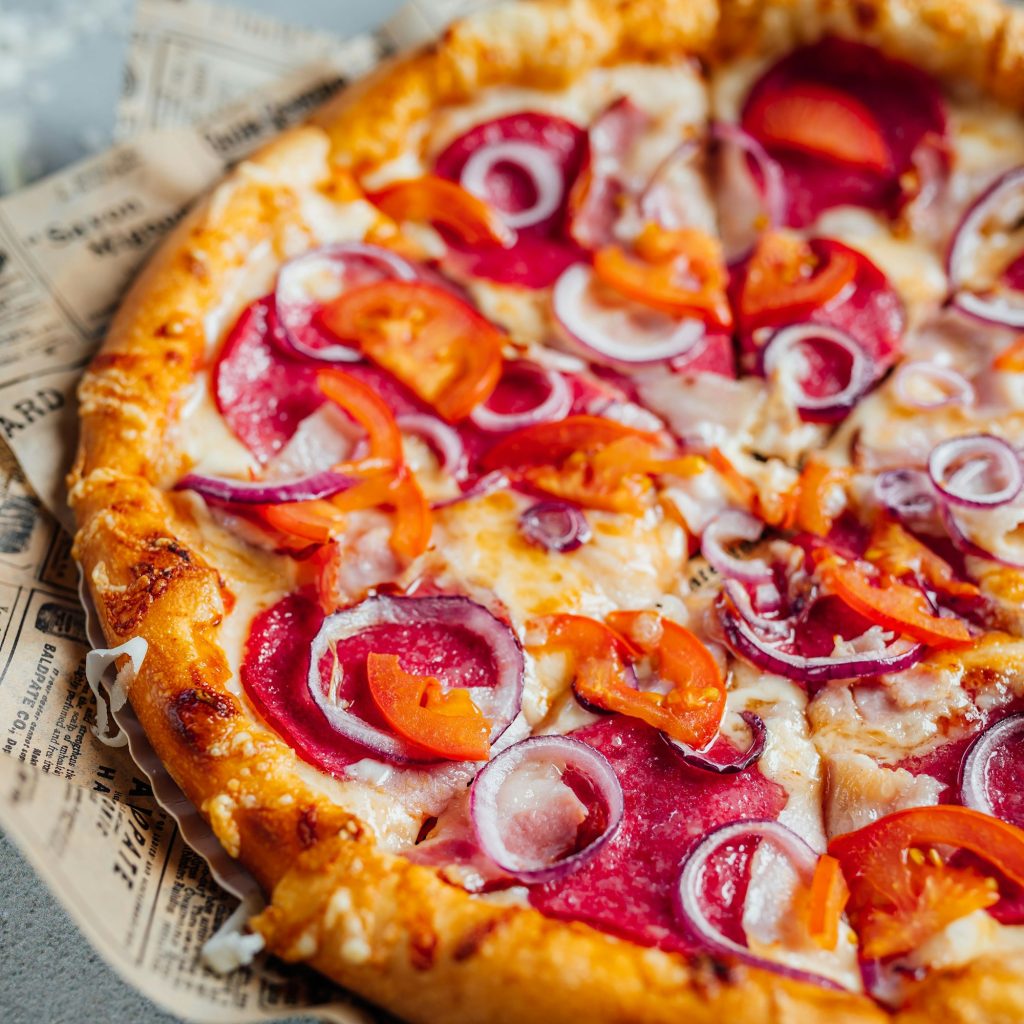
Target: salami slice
column 628, row 887
column 536, row 159
column 904, row 102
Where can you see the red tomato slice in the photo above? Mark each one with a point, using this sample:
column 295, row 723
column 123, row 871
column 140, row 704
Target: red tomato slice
column 901, row 895
column 899, row 553
column 370, row 411
column 439, row 201
column 316, row 521
column 445, row 723
column 786, row 282
column 891, row 604
column 825, row 902
column 823, row 122
column 681, row 273
column 437, row 346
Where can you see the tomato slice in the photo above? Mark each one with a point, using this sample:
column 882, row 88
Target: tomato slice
column 1011, row 359
column 445, row 723
column 891, row 604
column 371, row 412
column 786, row 281
column 316, row 521
column 816, row 119
column 825, row 902
column 437, row 346
column 440, row 201
column 692, row 708
column 899, row 553
column 900, row 894
column 583, row 459
column 681, row 273
column 818, row 497
column 413, row 522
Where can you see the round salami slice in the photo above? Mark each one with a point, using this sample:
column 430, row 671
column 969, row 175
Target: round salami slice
column 897, row 105
column 524, row 166
column 262, row 393
column 628, row 887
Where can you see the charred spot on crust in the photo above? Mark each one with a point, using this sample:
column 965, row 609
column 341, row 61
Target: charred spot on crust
column 422, row 945
column 192, row 713
column 165, row 561
column 112, row 361
column 471, row 941
column 306, row 827
column 710, row 974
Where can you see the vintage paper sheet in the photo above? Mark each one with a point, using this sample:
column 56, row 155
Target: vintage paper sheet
column 121, row 857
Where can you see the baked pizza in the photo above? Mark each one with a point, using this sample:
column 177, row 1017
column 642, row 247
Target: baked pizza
column 571, row 492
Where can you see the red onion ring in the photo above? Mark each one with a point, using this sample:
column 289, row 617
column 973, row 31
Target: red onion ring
column 662, row 199
column 688, row 892
column 442, row 438
column 977, row 455
column 740, row 761
column 500, row 703
column 785, row 344
column 266, row 492
column 966, row 546
column 973, row 781
column 728, row 527
column 532, row 160
column 620, row 332
column 953, row 387
column 554, row 403
column 744, row 640
column 768, row 179
column 295, row 308
column 555, row 526
column 496, row 480
column 997, row 307
column 907, row 493
column 564, row 753
column 739, row 596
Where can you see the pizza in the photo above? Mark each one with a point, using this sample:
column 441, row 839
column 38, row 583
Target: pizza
column 571, row 493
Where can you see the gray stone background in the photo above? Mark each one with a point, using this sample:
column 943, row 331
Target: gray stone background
column 60, row 74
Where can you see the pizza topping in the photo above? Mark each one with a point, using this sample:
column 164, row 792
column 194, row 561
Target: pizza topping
column 893, row 605
column 925, row 385
column 407, row 709
column 616, row 329
column 990, row 777
column 822, row 369
column 984, row 262
column 555, row 526
column 448, row 205
column 907, row 494
column 545, row 806
column 720, row 756
column 844, row 121
column 685, row 698
column 443, row 439
column 679, row 272
column 903, row 890
column 437, row 346
column 699, row 863
column 899, row 553
column 527, row 393
column 725, row 529
column 976, row 471
column 263, row 492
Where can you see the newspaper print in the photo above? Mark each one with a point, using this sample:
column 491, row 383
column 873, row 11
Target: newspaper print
column 122, row 858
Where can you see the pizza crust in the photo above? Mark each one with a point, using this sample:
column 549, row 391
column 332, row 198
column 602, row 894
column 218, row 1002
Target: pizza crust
column 388, row 929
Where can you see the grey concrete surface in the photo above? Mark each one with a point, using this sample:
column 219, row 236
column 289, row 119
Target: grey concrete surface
column 57, row 95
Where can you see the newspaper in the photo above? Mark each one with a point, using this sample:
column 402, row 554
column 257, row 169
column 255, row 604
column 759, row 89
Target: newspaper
column 105, row 826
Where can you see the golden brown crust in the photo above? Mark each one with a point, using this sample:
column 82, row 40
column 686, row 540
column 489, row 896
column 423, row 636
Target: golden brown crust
column 392, row 931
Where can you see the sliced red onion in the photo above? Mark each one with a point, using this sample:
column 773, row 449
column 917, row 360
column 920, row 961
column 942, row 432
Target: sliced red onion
column 667, row 198
column 534, row 161
column 741, row 221
column 740, row 597
column 726, row 528
column 977, row 471
column 1003, row 201
column 950, row 387
column 555, row 526
column 689, row 906
column 974, row 786
column 616, row 329
column 554, row 400
column 499, row 703
column 767, row 654
column 306, row 283
column 266, row 492
column 741, row 759
column 496, row 480
column 907, row 493
column 524, row 811
column 782, row 357
column 966, row 545
column 442, row 438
